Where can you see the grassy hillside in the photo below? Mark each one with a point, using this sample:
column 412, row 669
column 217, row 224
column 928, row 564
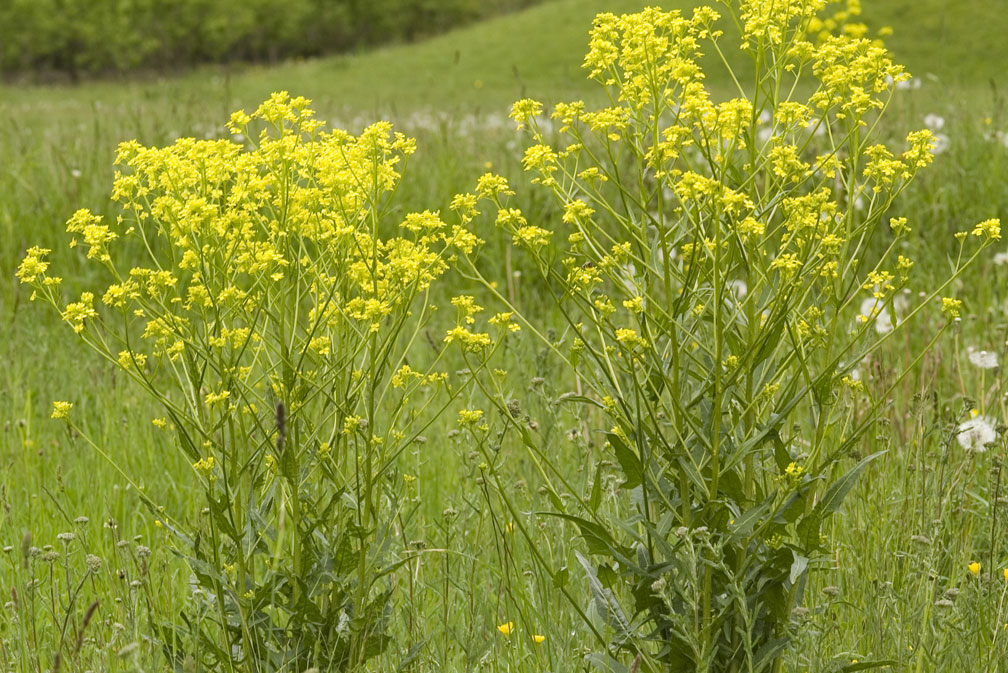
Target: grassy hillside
column 532, row 53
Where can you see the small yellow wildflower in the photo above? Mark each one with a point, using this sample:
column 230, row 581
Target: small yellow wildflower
column 204, row 464
column 991, row 229
column 950, row 307
column 61, row 409
column 538, row 639
column 506, row 628
column 33, row 265
column 77, row 312
column 974, row 567
column 213, row 398
column 469, row 416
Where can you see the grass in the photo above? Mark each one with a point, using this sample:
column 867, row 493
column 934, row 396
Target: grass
column 910, row 528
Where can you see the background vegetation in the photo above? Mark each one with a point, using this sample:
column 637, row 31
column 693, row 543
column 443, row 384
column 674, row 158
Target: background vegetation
column 898, row 588
column 76, row 37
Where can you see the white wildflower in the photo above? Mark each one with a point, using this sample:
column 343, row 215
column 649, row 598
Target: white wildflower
column 941, row 144
column 934, row 122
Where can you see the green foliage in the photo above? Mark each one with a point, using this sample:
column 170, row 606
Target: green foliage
column 897, row 586
column 274, row 323
column 89, row 36
column 719, row 285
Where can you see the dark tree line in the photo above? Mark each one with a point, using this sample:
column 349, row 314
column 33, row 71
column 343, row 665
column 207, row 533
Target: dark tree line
column 79, row 37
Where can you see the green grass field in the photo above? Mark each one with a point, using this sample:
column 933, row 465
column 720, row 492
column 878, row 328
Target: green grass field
column 896, row 591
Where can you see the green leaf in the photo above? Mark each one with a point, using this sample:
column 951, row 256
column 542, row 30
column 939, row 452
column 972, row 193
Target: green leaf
column 596, row 493
column 596, row 537
column 808, row 530
column 750, row 518
column 798, row 567
column 560, row 577
column 605, row 663
column 606, row 601
column 781, row 455
column 838, row 490
column 628, row 461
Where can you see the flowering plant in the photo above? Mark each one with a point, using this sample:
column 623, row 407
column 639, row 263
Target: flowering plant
column 719, row 288
column 271, row 317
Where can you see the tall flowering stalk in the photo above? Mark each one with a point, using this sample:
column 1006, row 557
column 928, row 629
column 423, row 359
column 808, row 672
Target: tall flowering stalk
column 711, row 267
column 270, row 317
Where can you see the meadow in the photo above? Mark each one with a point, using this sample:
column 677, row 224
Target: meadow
column 915, row 573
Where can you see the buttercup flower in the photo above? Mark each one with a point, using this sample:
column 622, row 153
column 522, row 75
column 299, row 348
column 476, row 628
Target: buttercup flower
column 506, row 628
column 974, row 567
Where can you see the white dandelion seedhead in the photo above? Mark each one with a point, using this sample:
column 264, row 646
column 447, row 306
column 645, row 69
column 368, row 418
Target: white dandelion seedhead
column 983, row 359
column 934, row 122
column 873, row 309
column 975, row 434
column 941, row 143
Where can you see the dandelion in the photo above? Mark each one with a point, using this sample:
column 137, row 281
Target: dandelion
column 506, row 628
column 975, row 434
column 983, row 359
column 934, row 122
column 873, row 309
column 974, row 568
column 941, row 143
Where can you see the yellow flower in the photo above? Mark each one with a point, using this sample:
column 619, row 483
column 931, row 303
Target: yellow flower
column 33, row 265
column 506, row 628
column 61, row 409
column 538, row 639
column 974, row 568
column 1006, row 574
